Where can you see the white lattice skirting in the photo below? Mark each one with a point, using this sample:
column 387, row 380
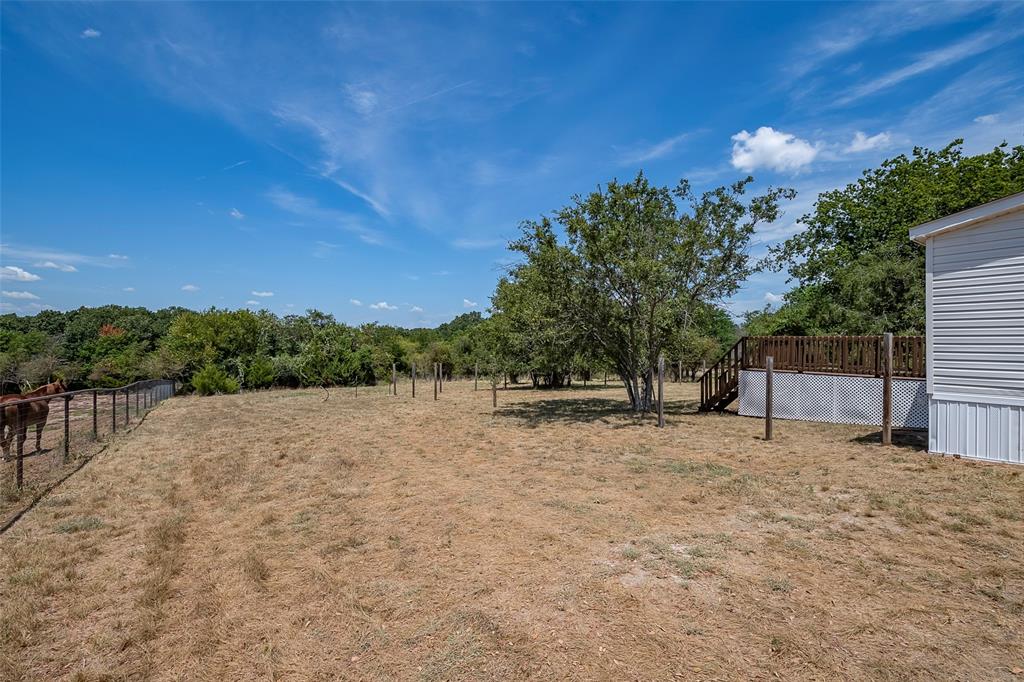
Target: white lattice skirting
column 835, row 398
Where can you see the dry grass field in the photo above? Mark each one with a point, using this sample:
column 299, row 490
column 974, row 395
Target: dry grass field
column 279, row 536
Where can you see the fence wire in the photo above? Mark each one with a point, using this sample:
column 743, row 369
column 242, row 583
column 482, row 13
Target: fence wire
column 47, row 437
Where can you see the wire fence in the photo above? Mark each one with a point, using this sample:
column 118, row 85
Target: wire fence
column 49, row 436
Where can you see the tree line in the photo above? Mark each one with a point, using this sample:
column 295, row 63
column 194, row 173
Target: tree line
column 609, row 283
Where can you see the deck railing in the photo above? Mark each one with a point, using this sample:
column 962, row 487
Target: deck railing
column 861, row 355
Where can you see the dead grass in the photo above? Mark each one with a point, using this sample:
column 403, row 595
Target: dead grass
column 278, row 536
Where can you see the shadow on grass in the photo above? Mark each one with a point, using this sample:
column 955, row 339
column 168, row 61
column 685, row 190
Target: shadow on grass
column 909, row 439
column 614, row 412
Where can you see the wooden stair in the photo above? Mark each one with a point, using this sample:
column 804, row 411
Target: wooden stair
column 720, row 384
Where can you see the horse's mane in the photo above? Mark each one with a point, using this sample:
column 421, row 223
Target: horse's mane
column 42, row 390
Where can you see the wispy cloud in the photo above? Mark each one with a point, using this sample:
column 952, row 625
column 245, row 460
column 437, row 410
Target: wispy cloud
column 17, row 274
column 322, row 249
column 251, row 302
column 63, row 267
column 236, row 214
column 846, row 32
column 117, row 256
column 128, row 289
column 309, row 208
column 21, row 295
column 974, row 44
column 987, row 119
column 863, row 143
column 90, row 33
column 355, row 301
column 383, row 305
column 415, row 309
column 262, row 294
column 466, row 303
column 475, row 244
column 235, row 165
column 650, row 152
column 189, row 287
column 32, row 254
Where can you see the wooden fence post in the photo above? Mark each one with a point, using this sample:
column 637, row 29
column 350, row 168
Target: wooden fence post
column 887, row 389
column 435, row 381
column 661, row 392
column 476, row 374
column 67, row 428
column 494, row 391
column 137, row 391
column 440, row 377
column 20, row 434
column 95, row 424
column 414, row 380
column 769, row 380
column 506, row 381
column 394, row 379
column 127, row 413
column 113, row 411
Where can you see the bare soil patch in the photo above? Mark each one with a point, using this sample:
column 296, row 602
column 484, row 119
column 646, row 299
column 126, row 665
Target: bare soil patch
column 279, row 536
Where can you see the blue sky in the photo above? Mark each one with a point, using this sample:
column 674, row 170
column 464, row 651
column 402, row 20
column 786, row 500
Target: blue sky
column 372, row 160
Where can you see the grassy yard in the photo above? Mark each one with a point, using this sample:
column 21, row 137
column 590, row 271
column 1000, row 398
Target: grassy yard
column 281, row 536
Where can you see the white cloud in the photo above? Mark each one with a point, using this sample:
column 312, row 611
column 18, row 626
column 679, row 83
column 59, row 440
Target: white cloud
column 383, row 305
column 252, row 303
column 987, row 119
column 442, row 273
column 234, row 165
column 236, row 214
column 654, row 151
column 307, row 207
column 769, row 297
column 770, row 148
column 415, row 309
column 22, row 295
column 262, row 294
column 17, row 274
column 466, row 303
column 355, row 301
column 128, row 289
column 190, row 287
column 90, row 33
column 63, row 267
column 863, row 143
column 117, row 256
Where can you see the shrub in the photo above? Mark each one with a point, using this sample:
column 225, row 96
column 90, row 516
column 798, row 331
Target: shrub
column 260, row 373
column 212, row 379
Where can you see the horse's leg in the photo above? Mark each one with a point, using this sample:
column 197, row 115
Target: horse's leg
column 6, row 432
column 39, row 436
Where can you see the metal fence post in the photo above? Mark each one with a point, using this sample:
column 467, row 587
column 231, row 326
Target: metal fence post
column 414, row 380
column 769, row 377
column 137, row 391
column 95, row 424
column 113, row 411
column 494, row 391
column 127, row 412
column 435, row 381
column 476, row 373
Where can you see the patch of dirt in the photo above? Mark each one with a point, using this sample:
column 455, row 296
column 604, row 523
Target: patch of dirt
column 278, row 535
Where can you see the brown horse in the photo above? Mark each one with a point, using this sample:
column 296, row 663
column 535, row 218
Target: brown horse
column 21, row 417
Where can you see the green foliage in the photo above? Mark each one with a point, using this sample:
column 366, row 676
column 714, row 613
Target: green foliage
column 211, row 379
column 858, row 271
column 635, row 272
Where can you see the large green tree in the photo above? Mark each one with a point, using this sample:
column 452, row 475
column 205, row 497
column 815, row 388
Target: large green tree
column 856, row 268
column 635, row 269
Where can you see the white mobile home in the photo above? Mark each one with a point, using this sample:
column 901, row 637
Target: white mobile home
column 975, row 330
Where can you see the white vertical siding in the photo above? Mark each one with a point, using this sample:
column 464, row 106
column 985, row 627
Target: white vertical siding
column 976, row 429
column 975, row 310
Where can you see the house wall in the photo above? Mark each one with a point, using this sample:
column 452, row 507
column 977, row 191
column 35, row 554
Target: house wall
column 975, row 316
